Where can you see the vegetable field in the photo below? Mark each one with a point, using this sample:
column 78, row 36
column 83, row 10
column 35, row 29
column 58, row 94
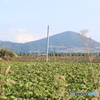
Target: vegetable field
column 47, row 81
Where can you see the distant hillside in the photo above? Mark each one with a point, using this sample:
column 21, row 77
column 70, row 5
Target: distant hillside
column 63, row 42
column 11, row 46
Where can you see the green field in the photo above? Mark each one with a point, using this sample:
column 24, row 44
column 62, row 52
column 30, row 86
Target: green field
column 47, row 81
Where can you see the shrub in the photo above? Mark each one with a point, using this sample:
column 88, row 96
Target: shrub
column 6, row 54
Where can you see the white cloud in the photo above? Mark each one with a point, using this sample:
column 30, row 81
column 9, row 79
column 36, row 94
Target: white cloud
column 22, row 38
column 22, row 35
column 17, row 35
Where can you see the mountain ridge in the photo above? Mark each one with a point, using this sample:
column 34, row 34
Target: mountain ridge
column 67, row 41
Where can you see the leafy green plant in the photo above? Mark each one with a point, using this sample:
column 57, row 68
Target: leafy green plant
column 48, row 81
column 3, row 77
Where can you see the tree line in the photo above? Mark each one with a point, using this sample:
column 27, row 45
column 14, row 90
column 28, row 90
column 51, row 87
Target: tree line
column 56, row 54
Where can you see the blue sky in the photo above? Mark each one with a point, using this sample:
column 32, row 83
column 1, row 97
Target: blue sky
column 26, row 20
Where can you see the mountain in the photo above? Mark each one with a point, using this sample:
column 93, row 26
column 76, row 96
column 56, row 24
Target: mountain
column 63, row 42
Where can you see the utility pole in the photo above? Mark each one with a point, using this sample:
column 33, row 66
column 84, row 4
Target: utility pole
column 47, row 45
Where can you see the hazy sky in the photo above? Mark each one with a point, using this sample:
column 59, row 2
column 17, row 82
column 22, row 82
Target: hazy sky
column 27, row 20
